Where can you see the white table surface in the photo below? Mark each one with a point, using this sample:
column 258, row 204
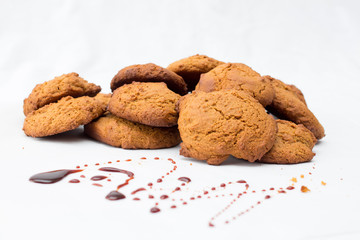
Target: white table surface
column 312, row 44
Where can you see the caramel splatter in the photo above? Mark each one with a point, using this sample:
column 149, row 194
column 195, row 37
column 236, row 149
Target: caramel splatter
column 302, row 175
column 294, row 179
column 323, row 183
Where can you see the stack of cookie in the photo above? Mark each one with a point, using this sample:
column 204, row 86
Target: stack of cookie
column 61, row 105
column 231, row 112
column 141, row 110
column 228, row 114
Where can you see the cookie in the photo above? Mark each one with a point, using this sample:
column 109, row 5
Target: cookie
column 104, row 98
column 293, row 144
column 289, row 104
column 119, row 132
column 191, row 68
column 51, row 91
column 149, row 73
column 149, row 103
column 66, row 114
column 240, row 77
column 218, row 124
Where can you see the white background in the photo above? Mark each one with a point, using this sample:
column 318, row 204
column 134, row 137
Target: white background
column 312, row 44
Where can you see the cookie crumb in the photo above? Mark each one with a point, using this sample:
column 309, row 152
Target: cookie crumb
column 323, row 183
column 304, row 189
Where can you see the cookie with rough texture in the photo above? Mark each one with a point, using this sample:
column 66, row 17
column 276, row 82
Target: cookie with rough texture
column 66, row 114
column 191, row 68
column 149, row 73
column 119, row 132
column 70, row 84
column 104, row 98
column 289, row 104
column 240, row 77
column 149, row 103
column 218, row 124
column 293, row 144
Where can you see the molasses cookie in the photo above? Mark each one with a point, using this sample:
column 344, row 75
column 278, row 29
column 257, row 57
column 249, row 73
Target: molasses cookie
column 119, row 132
column 293, row 144
column 66, row 114
column 70, row 84
column 149, row 103
column 149, row 73
column 104, row 98
column 191, row 68
column 240, row 77
column 218, row 124
column 289, row 104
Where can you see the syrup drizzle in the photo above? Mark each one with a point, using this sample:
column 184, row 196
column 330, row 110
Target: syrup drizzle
column 52, row 176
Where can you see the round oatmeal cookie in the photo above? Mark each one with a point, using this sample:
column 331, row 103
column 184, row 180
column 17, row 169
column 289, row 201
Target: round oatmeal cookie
column 289, row 104
column 149, row 103
column 149, row 73
column 191, row 68
column 65, row 115
column 218, row 124
column 240, row 77
column 70, row 84
column 104, row 98
column 119, row 132
column 293, row 144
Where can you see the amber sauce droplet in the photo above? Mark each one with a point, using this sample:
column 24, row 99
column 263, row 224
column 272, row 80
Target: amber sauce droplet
column 184, row 179
column 154, row 210
column 162, row 197
column 52, row 176
column 74, row 181
column 115, row 195
column 128, row 173
column 138, row 190
column 98, row 178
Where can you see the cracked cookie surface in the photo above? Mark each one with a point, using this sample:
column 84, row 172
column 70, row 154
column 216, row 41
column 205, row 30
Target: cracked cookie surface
column 65, row 115
column 119, row 132
column 70, row 84
column 192, row 67
column 289, row 104
column 218, row 124
column 240, row 77
column 149, row 73
column 148, row 103
column 293, row 144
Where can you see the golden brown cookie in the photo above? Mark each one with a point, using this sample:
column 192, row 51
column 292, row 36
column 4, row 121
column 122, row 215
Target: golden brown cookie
column 149, row 73
column 70, row 84
column 240, row 77
column 104, row 98
column 191, row 68
column 119, row 132
column 289, row 104
column 293, row 144
column 229, row 122
column 149, row 103
column 66, row 114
